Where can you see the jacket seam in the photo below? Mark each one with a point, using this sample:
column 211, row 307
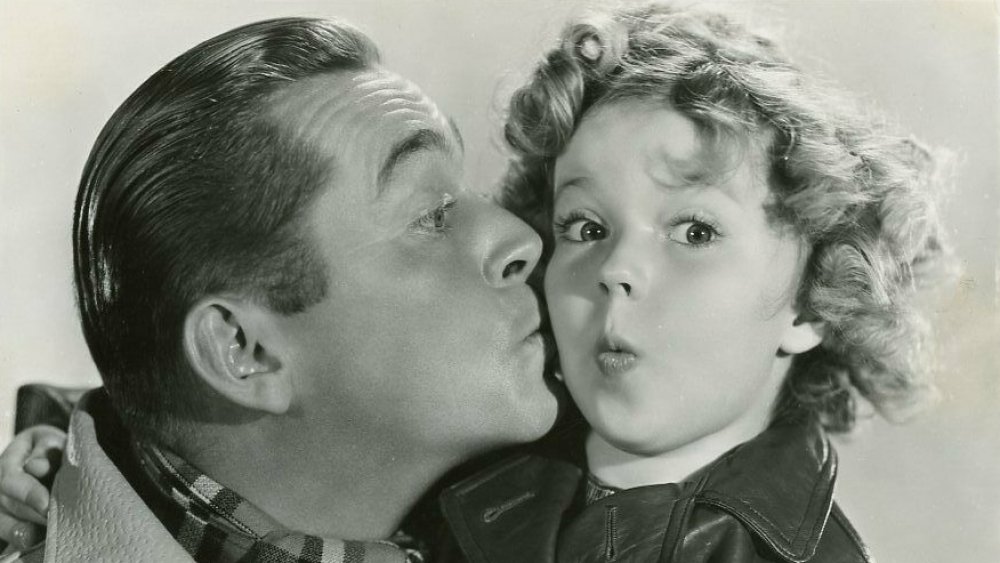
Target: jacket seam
column 610, row 532
column 765, row 535
column 493, row 513
column 468, row 487
column 838, row 515
column 672, row 544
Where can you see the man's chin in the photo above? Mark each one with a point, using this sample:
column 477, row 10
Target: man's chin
column 548, row 407
column 531, row 416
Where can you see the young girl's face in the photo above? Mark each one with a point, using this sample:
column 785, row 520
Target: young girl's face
column 671, row 299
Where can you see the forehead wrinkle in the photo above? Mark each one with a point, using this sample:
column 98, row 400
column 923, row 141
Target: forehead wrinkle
column 370, row 110
column 417, row 105
column 395, row 88
column 326, row 115
column 411, row 118
column 404, row 102
column 317, row 96
column 396, row 105
column 319, row 102
column 388, row 94
column 407, row 95
column 410, row 104
column 374, row 77
column 322, row 117
column 417, row 115
column 390, row 83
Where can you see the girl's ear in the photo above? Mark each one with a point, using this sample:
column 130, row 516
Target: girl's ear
column 230, row 344
column 802, row 335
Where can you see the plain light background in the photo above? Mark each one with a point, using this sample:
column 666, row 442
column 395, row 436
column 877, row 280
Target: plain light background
column 926, row 491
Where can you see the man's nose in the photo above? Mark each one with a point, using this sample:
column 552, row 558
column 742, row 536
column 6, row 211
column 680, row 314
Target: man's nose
column 623, row 273
column 515, row 254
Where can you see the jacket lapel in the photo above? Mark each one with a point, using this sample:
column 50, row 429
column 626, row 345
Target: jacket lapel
column 780, row 485
column 512, row 512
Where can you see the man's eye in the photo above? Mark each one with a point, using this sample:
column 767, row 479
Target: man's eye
column 581, row 230
column 693, row 233
column 434, row 220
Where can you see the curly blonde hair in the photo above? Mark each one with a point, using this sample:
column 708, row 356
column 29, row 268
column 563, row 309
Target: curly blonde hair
column 860, row 197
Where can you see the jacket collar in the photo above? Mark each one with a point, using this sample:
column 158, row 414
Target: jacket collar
column 94, row 514
column 779, row 485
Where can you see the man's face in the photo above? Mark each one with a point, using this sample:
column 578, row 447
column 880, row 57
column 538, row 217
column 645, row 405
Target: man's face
column 427, row 338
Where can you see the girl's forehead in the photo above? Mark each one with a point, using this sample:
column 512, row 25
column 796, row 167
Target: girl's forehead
column 669, row 147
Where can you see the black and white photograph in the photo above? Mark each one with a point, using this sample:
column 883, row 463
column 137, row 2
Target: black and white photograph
column 504, row 281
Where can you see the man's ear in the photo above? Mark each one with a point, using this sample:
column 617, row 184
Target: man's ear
column 804, row 334
column 230, row 344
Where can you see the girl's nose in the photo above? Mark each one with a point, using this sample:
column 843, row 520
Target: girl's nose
column 623, row 273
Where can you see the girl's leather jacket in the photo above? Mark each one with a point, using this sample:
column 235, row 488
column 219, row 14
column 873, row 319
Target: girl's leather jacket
column 769, row 499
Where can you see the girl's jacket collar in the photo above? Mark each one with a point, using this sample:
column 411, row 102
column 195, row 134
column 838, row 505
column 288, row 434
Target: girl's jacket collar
column 778, row 486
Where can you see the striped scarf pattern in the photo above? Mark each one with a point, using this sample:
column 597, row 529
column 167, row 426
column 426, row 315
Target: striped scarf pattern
column 215, row 524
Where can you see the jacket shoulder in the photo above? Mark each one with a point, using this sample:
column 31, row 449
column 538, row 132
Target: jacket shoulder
column 94, row 513
column 771, row 499
column 714, row 534
column 840, row 542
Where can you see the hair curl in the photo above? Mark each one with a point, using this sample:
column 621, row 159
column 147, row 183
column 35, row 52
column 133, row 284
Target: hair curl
column 860, row 197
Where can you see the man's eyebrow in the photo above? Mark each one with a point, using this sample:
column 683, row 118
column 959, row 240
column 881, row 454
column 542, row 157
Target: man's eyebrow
column 420, row 140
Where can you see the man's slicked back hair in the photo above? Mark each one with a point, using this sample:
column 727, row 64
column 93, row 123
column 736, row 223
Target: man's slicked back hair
column 192, row 190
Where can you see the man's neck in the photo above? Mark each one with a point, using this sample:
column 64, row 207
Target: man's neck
column 358, row 490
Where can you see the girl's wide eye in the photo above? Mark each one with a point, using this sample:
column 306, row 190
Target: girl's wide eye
column 581, row 230
column 694, row 233
column 698, row 234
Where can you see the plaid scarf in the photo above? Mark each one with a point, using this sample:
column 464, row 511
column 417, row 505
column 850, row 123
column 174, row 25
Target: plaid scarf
column 214, row 524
